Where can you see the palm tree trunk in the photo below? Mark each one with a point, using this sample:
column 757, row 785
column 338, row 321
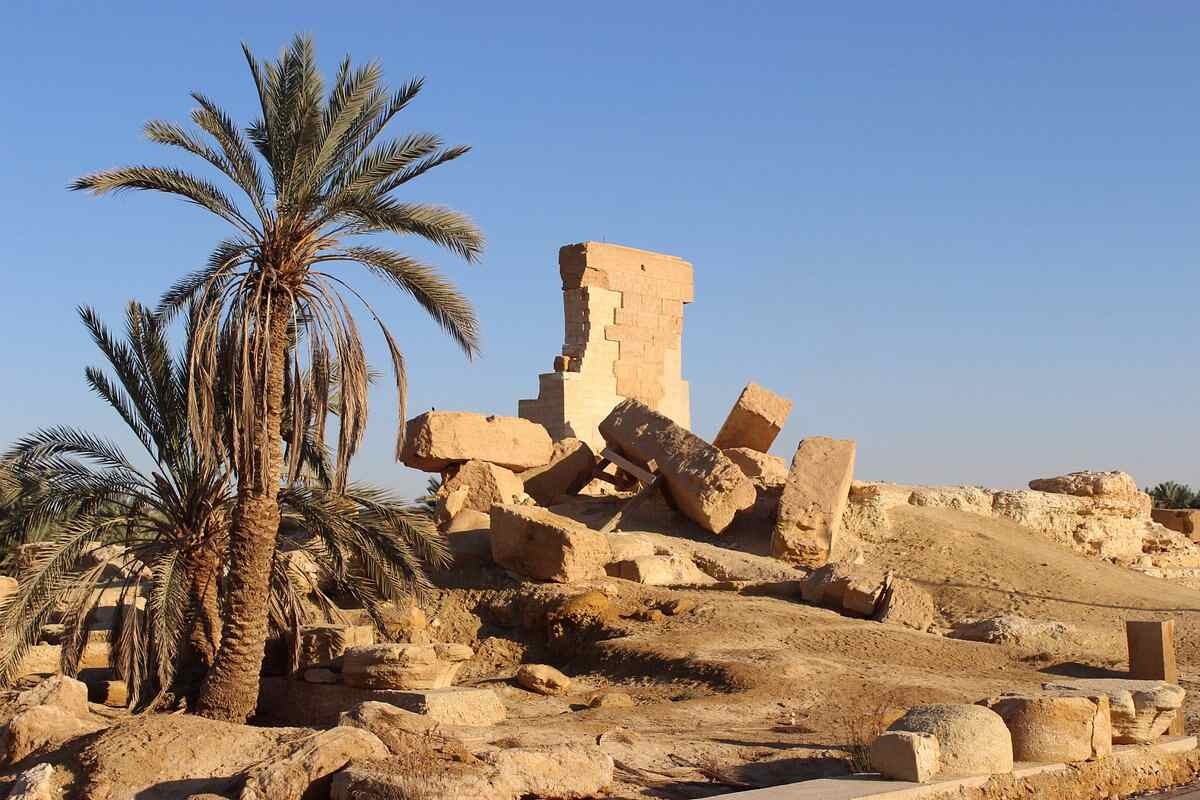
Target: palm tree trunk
column 230, row 690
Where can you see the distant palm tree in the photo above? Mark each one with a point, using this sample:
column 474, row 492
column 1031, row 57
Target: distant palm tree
column 267, row 289
column 172, row 523
column 1170, row 494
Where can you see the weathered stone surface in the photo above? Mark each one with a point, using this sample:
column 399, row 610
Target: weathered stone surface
column 41, row 728
column 320, row 675
column 906, row 756
column 763, row 468
column 863, row 590
column 395, row 727
column 1151, row 645
column 1112, row 485
column 61, row 691
column 611, row 700
column 403, row 666
column 674, row 570
column 543, row 679
column 569, row 470
column 702, row 481
column 111, row 693
column 311, row 760
column 437, row 439
column 1181, row 520
column 1015, row 630
column 1141, row 710
column 563, row 771
column 477, row 486
column 755, row 420
column 972, row 740
column 628, row 546
column 542, row 545
column 1054, row 728
column 321, row 644
column 469, row 537
column 905, row 603
column 813, row 500
column 35, row 783
column 825, row 585
column 454, row 706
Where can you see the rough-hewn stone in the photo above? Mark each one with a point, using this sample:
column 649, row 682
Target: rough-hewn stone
column 562, row 771
column 702, row 481
column 1113, row 485
column 469, row 537
column 396, row 727
column 320, row 644
column 972, row 740
column 569, row 470
column 41, row 728
column 755, row 420
column 477, row 486
column 1056, row 727
column 403, row 666
column 437, row 439
column 542, row 545
column 905, row 603
column 35, row 783
column 813, row 500
column 906, row 756
column 64, row 692
column 459, row 705
column 673, row 570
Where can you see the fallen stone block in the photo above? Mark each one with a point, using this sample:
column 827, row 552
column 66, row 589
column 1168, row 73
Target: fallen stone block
column 755, row 420
column 1054, row 728
column 542, row 545
column 826, row 585
column 477, row 486
column 906, row 604
column 1141, row 710
column 701, row 480
column 764, row 469
column 321, row 644
column 972, row 740
column 437, row 439
column 569, row 470
column 403, row 666
column 111, row 693
column 312, row 760
column 459, row 705
column 862, row 593
column 906, row 756
column 660, row 571
column 543, row 679
column 814, row 498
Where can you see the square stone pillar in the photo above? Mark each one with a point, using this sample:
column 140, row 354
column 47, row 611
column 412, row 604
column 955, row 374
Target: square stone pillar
column 1152, row 656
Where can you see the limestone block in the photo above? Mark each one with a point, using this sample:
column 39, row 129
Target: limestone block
column 1152, row 650
column 813, row 500
column 656, row 570
column 1054, row 728
column 310, row 760
column 569, row 470
column 543, row 679
column 762, row 468
column 477, row 486
column 560, row 771
column 437, row 439
column 755, row 420
column 320, row 644
column 542, row 545
column 906, row 756
column 904, row 603
column 42, row 728
column 403, row 666
column 1141, row 710
column 972, row 740
column 397, row 728
column 454, row 706
column 60, row 691
column 703, row 483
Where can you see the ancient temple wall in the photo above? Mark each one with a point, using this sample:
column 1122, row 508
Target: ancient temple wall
column 623, row 310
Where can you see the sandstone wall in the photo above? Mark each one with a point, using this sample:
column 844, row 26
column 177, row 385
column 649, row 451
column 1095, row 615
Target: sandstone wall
column 623, row 310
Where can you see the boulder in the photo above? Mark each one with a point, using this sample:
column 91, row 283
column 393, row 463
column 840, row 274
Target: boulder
column 862, row 593
column 904, row 603
column 810, row 510
column 569, row 470
column 672, row 570
column 460, row 705
column 543, row 679
column 477, row 486
column 701, row 480
column 403, row 666
column 1054, row 728
column 972, row 740
column 60, row 691
column 41, row 728
column 1141, row 710
column 35, row 783
column 469, row 537
column 542, row 545
column 437, row 439
column 825, row 585
column 755, row 420
column 763, row 468
column 321, row 644
column 1113, row 485
column 311, row 760
column 906, row 756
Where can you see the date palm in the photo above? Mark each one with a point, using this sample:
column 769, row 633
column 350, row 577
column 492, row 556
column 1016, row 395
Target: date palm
column 316, row 178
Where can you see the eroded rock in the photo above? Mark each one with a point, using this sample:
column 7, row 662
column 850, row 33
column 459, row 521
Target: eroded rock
column 972, row 740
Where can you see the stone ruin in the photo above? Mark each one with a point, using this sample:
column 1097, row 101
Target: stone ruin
column 623, row 309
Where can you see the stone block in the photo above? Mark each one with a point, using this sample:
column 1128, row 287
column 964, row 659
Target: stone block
column 321, row 644
column 1054, row 728
column 437, row 439
column 813, row 500
column 972, row 740
column 702, row 481
column 403, row 666
column 543, row 679
column 904, row 603
column 569, row 470
column 906, row 756
column 457, row 706
column 469, row 537
column 1152, row 650
column 477, row 486
column 542, row 545
column 1141, row 711
column 762, row 468
column 755, row 420
column 655, row 570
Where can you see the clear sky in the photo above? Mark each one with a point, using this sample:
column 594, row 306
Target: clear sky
column 964, row 234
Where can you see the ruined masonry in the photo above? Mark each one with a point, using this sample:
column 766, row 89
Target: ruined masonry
column 624, row 332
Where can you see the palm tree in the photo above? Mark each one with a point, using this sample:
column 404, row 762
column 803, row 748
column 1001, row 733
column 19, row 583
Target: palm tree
column 171, row 524
column 1170, row 494
column 269, row 291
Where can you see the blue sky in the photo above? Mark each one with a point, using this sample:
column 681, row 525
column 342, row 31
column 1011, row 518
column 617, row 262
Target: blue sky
column 964, row 234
